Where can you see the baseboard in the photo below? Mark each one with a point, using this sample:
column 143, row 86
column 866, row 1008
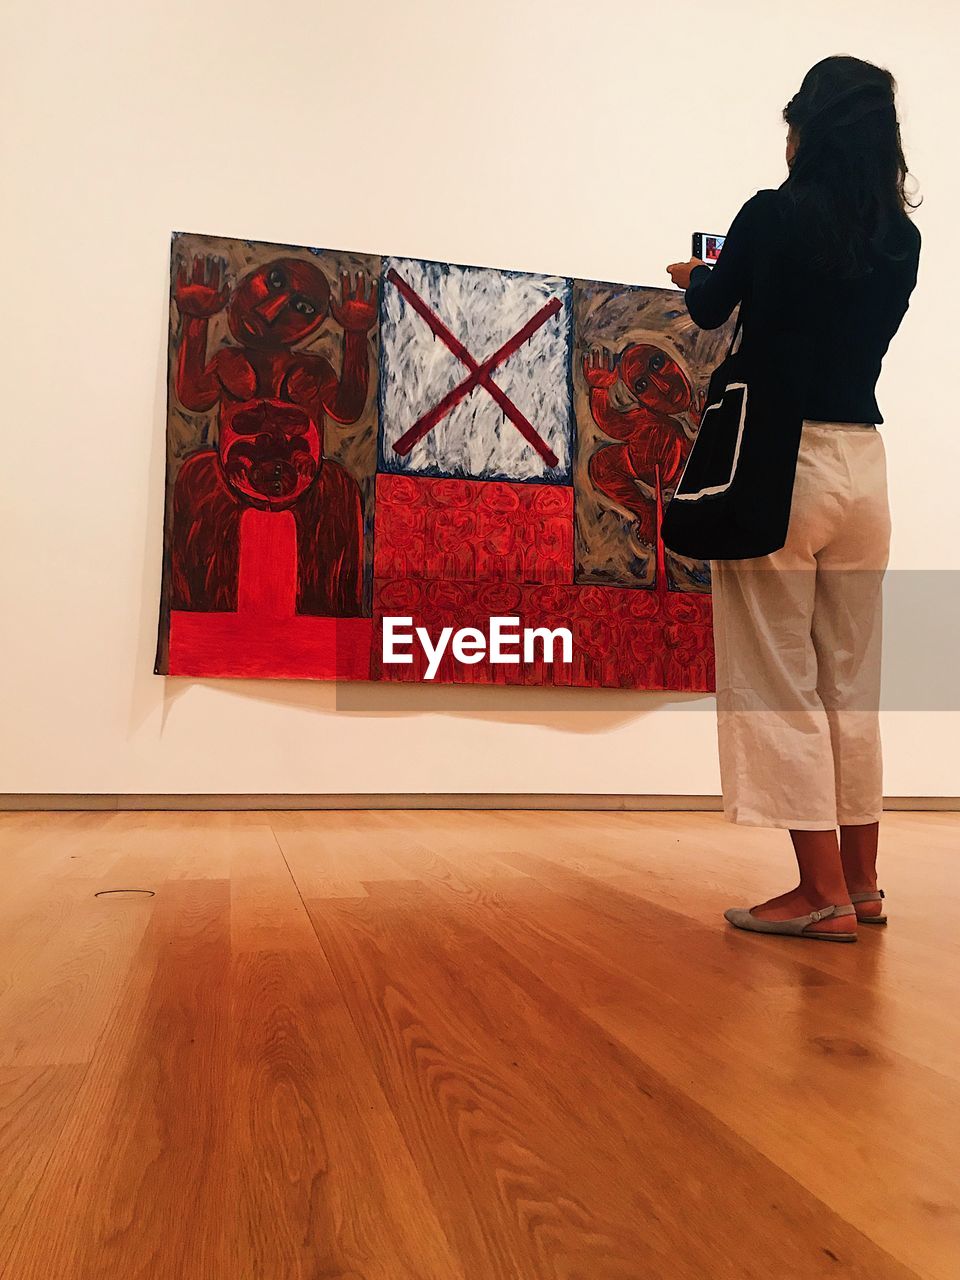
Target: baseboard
column 52, row 802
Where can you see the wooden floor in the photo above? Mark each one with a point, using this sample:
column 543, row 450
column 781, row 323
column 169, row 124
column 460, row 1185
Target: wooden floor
column 482, row 1046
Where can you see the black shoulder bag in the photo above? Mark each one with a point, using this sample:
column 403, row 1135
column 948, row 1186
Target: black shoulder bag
column 733, row 499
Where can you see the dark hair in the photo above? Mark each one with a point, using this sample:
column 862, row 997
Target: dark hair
column 847, row 180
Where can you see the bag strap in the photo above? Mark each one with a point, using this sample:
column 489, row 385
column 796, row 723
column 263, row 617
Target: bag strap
column 737, row 330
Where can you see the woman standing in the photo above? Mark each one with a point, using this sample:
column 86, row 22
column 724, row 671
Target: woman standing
column 797, row 632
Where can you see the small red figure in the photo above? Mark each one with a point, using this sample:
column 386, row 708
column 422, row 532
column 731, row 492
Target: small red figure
column 272, row 400
column 636, row 399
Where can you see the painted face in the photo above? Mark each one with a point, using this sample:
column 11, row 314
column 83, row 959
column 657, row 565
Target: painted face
column 655, row 379
column 270, row 451
column 279, row 304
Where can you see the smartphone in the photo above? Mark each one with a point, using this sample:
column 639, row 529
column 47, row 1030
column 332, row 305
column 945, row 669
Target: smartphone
column 706, row 247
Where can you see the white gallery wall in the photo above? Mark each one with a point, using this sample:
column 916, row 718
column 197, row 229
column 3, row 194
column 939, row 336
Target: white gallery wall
column 543, row 135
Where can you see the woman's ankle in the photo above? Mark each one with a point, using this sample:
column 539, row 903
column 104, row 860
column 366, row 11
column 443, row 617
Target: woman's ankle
column 861, row 882
column 825, row 895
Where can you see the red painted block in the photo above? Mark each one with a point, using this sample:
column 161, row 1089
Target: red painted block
column 473, row 530
column 622, row 638
column 266, row 637
column 296, row 648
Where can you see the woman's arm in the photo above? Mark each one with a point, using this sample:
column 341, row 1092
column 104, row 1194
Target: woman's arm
column 714, row 292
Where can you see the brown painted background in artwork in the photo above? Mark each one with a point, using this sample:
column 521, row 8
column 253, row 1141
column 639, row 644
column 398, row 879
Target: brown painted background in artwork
column 612, row 316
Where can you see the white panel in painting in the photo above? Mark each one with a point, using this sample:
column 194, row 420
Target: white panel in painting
column 475, row 372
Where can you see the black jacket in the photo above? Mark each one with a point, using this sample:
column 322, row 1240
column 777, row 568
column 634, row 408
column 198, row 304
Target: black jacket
column 839, row 329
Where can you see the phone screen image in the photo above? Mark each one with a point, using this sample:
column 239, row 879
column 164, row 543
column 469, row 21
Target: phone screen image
column 711, row 248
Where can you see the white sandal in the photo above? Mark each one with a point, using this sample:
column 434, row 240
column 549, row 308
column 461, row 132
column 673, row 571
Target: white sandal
column 798, row 927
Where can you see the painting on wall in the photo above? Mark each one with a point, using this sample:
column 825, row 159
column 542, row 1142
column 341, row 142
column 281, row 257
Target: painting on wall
column 355, row 439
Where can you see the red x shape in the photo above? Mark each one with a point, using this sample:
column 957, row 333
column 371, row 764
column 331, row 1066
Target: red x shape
column 479, row 375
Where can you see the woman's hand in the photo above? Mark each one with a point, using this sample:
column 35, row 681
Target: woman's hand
column 679, row 272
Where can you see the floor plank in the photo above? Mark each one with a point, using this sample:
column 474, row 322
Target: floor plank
column 34, row 1105
column 132, row 1189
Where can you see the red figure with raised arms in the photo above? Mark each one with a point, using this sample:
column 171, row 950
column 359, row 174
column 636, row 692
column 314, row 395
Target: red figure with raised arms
column 272, row 402
column 636, row 399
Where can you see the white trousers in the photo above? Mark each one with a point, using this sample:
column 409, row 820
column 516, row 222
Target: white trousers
column 797, row 637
